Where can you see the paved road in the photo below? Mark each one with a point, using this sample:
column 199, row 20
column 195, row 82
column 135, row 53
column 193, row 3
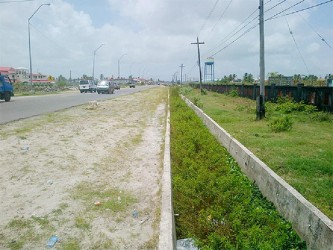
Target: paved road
column 27, row 106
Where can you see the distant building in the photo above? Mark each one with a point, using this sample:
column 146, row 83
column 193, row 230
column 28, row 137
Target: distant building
column 22, row 75
column 8, row 71
column 281, row 80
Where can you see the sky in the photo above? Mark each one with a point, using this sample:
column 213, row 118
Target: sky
column 152, row 38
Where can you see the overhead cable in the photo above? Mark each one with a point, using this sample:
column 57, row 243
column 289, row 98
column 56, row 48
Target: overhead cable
column 222, row 15
column 243, row 34
column 272, row 17
column 210, row 13
column 236, row 30
column 299, row 51
column 313, row 6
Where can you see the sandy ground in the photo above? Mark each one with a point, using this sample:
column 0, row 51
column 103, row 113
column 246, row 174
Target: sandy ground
column 89, row 175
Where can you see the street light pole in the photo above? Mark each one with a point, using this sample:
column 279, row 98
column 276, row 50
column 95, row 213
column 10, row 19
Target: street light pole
column 30, row 41
column 93, row 73
column 119, row 64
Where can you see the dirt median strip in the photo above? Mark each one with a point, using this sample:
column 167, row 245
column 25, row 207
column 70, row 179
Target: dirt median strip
column 90, row 175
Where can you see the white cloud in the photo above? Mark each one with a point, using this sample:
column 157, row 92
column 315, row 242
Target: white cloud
column 156, row 36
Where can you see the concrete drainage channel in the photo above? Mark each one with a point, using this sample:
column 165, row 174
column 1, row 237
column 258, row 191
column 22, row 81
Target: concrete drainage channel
column 309, row 222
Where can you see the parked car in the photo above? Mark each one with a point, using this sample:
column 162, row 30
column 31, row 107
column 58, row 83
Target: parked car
column 87, row 86
column 105, row 86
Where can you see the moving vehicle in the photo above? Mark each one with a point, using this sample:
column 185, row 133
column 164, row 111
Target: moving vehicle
column 6, row 88
column 131, row 84
column 87, row 86
column 105, row 86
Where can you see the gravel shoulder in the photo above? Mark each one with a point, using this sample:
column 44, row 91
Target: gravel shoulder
column 90, row 175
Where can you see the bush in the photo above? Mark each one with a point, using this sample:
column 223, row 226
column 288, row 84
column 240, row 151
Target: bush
column 197, row 102
column 185, row 90
column 204, row 91
column 322, row 117
column 280, row 124
column 233, row 93
column 287, row 105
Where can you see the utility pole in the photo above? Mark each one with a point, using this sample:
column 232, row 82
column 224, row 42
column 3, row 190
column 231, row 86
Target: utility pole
column 198, row 43
column 261, row 97
column 181, row 74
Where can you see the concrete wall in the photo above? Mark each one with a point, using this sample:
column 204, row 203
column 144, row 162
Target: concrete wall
column 167, row 239
column 309, row 222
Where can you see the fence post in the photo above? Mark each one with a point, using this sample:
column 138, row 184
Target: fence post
column 299, row 92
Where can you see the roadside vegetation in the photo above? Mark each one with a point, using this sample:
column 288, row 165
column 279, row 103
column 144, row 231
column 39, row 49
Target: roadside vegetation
column 25, row 89
column 216, row 203
column 294, row 140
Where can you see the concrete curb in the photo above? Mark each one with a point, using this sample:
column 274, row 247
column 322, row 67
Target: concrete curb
column 309, row 222
column 167, row 239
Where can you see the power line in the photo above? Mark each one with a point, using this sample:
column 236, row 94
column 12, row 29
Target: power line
column 299, row 51
column 239, row 37
column 222, row 15
column 210, row 13
column 275, row 5
column 236, row 30
column 313, row 6
column 272, row 17
column 321, row 37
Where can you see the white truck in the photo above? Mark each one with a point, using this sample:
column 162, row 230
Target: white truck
column 87, row 86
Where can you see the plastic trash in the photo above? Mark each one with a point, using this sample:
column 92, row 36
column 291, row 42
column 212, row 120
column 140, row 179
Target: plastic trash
column 135, row 214
column 186, row 244
column 52, row 241
column 97, row 203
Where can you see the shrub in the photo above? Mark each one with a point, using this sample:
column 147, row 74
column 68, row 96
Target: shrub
column 185, row 90
column 287, row 105
column 204, row 91
column 322, row 117
column 233, row 93
column 280, row 124
column 197, row 102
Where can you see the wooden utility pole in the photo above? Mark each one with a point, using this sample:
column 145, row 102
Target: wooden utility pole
column 261, row 97
column 181, row 74
column 198, row 43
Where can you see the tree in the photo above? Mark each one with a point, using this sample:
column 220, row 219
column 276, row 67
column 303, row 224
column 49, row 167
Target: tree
column 248, row 78
column 274, row 74
column 61, row 78
column 50, row 78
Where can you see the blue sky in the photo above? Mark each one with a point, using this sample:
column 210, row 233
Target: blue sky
column 156, row 36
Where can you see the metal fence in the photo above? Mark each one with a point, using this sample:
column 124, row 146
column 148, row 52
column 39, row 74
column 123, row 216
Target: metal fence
column 321, row 97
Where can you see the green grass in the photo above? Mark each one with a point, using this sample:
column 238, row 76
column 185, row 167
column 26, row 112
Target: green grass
column 113, row 200
column 217, row 204
column 302, row 156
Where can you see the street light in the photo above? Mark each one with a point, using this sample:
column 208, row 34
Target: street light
column 93, row 74
column 29, row 38
column 119, row 64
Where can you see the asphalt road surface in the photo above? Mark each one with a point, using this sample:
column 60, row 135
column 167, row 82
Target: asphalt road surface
column 26, row 106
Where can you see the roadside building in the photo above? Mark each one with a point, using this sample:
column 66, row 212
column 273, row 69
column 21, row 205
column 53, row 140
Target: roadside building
column 21, row 74
column 8, row 71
